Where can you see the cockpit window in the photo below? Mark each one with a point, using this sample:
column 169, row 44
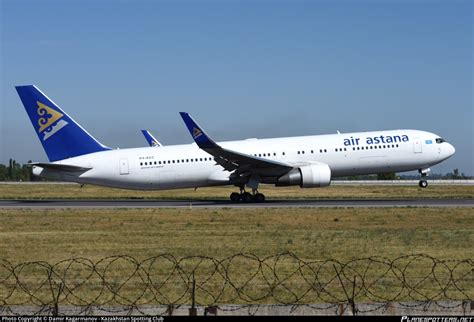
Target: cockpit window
column 440, row 140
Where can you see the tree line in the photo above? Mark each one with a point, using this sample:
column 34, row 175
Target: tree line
column 15, row 171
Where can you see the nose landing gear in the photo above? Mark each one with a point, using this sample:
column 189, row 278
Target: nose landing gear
column 423, row 183
column 424, row 174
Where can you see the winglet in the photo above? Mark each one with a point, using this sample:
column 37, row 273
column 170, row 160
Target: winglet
column 151, row 139
column 198, row 134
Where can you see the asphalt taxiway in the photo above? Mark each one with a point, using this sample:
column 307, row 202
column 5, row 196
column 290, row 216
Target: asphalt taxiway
column 147, row 203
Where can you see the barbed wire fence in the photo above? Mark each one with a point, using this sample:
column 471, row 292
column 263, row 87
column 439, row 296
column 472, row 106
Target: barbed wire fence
column 160, row 284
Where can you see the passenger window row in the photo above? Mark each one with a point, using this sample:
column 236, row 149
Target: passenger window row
column 312, row 151
column 175, row 161
column 371, row 147
column 265, row 154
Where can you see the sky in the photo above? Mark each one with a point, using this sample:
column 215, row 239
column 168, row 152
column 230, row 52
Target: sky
column 241, row 68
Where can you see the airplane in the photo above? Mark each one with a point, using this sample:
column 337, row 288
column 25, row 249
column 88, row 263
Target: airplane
column 151, row 139
column 305, row 161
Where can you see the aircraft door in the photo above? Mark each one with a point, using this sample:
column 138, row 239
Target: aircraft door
column 417, row 145
column 123, row 164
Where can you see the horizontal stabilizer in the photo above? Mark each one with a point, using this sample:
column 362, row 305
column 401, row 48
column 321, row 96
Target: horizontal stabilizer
column 59, row 167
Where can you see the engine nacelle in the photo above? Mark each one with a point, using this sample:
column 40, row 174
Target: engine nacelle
column 307, row 176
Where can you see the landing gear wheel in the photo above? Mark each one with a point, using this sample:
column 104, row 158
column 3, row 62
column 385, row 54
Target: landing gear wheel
column 247, row 197
column 423, row 183
column 235, row 197
column 259, row 197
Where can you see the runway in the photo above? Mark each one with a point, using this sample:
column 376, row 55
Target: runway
column 322, row 203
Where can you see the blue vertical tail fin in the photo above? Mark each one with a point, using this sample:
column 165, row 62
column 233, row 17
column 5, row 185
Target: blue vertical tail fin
column 59, row 134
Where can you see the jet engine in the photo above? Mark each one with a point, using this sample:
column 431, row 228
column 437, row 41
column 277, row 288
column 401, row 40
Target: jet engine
column 307, row 176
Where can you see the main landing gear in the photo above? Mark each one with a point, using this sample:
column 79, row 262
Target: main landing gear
column 424, row 173
column 247, row 197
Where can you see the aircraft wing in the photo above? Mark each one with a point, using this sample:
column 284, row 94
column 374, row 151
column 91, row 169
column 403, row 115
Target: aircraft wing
column 233, row 160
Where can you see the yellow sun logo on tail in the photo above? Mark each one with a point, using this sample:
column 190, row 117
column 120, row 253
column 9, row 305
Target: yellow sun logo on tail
column 47, row 119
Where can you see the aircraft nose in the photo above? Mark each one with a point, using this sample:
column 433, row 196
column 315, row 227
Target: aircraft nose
column 450, row 149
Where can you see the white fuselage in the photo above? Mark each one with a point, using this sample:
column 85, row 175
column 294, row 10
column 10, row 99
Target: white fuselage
column 181, row 166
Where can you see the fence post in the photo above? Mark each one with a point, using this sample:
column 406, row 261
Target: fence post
column 54, row 296
column 354, row 310
column 350, row 300
column 193, row 310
